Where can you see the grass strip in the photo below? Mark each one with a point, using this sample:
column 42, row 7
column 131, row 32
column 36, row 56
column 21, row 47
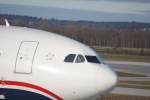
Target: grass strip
column 125, row 74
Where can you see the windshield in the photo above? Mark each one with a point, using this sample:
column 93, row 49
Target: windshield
column 79, row 59
column 92, row 59
column 70, row 58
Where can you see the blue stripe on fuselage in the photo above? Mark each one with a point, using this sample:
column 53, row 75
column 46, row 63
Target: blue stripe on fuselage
column 15, row 94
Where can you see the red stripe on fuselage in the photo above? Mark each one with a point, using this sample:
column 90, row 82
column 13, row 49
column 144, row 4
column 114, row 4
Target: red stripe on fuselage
column 23, row 84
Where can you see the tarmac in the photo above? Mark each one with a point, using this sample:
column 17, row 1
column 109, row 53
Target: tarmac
column 132, row 67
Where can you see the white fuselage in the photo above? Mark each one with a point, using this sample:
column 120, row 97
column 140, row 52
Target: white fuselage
column 33, row 61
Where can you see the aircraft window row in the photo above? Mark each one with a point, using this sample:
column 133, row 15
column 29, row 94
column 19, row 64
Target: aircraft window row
column 80, row 58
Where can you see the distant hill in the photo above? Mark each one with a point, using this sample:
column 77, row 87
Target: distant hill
column 122, row 25
column 104, row 34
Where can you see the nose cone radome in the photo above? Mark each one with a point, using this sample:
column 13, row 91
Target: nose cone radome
column 106, row 79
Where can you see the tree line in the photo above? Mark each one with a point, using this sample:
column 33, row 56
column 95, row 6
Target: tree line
column 102, row 34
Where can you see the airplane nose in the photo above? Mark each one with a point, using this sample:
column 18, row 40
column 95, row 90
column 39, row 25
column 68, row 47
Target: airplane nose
column 106, row 79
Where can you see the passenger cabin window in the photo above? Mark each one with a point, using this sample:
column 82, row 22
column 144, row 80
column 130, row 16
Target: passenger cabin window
column 79, row 59
column 92, row 59
column 70, row 58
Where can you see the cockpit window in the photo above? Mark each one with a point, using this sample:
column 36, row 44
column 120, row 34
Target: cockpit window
column 92, row 59
column 79, row 59
column 70, row 58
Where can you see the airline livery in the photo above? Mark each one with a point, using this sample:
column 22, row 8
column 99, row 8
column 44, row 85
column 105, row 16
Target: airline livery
column 39, row 65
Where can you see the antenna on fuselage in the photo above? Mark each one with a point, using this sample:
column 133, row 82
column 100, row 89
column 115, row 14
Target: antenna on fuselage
column 7, row 23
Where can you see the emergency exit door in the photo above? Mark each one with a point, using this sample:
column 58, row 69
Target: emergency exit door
column 25, row 57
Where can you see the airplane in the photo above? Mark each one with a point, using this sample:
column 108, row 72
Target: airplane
column 40, row 65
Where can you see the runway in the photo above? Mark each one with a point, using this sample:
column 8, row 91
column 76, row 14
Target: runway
column 133, row 67
column 131, row 91
column 134, row 79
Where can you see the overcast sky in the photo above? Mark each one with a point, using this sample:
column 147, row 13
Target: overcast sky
column 137, row 7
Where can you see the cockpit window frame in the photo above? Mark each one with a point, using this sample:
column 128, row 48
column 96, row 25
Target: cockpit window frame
column 85, row 59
